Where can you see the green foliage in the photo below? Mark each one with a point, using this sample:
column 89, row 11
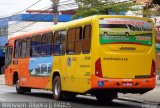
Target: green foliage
column 96, row 7
column 152, row 11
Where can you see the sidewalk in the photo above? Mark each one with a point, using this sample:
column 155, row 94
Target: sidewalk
column 151, row 96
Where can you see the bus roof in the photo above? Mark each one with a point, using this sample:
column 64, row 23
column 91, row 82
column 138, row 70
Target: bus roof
column 73, row 23
column 30, row 33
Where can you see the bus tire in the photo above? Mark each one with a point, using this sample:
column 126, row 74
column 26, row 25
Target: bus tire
column 19, row 89
column 57, row 92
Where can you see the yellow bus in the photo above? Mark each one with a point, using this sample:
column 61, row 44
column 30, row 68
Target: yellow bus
column 78, row 58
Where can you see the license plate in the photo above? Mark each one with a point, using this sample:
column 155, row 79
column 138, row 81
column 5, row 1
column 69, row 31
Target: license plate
column 127, row 84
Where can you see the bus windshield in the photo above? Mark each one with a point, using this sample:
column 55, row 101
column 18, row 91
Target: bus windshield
column 113, row 30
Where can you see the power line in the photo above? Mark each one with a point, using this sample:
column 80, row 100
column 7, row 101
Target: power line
column 30, row 16
column 21, row 10
column 20, row 28
column 31, row 23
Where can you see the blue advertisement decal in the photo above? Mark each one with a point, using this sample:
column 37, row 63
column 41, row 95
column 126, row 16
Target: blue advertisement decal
column 41, row 66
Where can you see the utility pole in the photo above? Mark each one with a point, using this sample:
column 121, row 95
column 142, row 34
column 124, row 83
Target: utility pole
column 55, row 11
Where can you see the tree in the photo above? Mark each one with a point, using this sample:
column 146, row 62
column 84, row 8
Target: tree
column 94, row 7
column 152, row 9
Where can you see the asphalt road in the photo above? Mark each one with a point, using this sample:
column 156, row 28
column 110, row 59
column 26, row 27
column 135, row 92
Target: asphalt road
column 8, row 94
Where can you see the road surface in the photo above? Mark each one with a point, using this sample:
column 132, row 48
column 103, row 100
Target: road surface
column 8, row 94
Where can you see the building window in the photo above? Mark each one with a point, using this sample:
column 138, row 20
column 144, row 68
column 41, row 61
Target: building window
column 17, row 48
column 86, row 43
column 74, row 40
column 47, row 44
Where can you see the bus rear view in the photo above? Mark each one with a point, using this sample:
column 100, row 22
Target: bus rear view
column 125, row 56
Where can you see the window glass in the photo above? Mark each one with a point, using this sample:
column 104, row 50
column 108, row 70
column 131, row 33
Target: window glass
column 36, row 46
column 86, row 39
column 56, row 48
column 28, row 42
column 70, row 41
column 74, row 40
column 78, row 43
column 47, row 44
column 8, row 55
column 63, row 35
column 24, row 47
column 59, row 45
column 17, row 49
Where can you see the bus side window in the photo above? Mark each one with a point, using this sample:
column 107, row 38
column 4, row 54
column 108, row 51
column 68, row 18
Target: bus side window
column 63, row 38
column 28, row 39
column 47, row 44
column 56, row 43
column 8, row 55
column 86, row 43
column 17, row 49
column 74, row 40
column 78, row 43
column 36, row 46
column 24, row 46
column 59, row 45
column 70, row 41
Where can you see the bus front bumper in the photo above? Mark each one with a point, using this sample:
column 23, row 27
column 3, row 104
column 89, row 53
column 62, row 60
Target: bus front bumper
column 108, row 83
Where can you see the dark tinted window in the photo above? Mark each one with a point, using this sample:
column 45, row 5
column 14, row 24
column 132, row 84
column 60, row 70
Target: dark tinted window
column 24, row 47
column 28, row 39
column 8, row 55
column 59, row 44
column 47, row 44
column 36, row 46
column 17, row 48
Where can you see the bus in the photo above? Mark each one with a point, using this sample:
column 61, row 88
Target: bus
column 77, row 58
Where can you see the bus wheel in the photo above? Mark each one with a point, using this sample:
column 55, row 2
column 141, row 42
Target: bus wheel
column 19, row 89
column 57, row 93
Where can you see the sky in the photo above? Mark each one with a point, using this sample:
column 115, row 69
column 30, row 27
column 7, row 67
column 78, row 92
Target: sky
column 14, row 6
column 8, row 7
